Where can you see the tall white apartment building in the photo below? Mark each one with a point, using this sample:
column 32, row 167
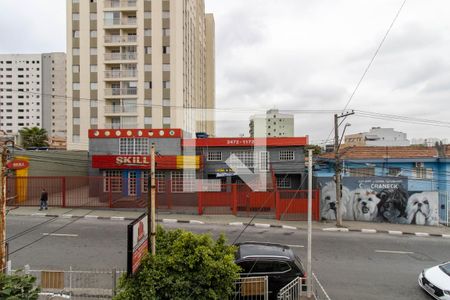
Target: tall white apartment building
column 272, row 124
column 377, row 136
column 138, row 64
column 32, row 92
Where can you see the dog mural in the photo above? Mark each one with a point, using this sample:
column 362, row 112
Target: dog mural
column 328, row 202
column 420, row 209
column 365, row 205
column 392, row 205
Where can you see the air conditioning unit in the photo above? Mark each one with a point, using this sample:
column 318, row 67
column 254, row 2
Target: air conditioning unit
column 419, row 165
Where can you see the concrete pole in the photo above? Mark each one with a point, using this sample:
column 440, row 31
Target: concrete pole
column 3, row 253
column 309, row 267
column 153, row 199
column 337, row 172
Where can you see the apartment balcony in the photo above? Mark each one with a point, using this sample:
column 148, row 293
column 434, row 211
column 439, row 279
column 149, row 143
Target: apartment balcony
column 120, row 125
column 120, row 4
column 120, row 39
column 120, row 22
column 120, row 109
column 115, row 74
column 120, row 91
column 121, row 56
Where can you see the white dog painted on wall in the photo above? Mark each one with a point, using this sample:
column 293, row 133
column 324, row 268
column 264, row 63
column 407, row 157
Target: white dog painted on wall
column 328, row 202
column 365, row 205
column 420, row 209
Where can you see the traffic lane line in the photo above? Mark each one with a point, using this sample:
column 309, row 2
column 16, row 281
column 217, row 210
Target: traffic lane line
column 296, row 246
column 60, row 234
column 394, row 252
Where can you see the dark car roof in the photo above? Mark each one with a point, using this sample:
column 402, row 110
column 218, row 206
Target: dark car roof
column 249, row 249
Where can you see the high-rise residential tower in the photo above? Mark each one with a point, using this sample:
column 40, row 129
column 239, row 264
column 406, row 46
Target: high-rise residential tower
column 138, row 64
column 32, row 92
column 272, row 124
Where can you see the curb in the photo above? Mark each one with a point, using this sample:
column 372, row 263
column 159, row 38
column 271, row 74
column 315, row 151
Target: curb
column 259, row 225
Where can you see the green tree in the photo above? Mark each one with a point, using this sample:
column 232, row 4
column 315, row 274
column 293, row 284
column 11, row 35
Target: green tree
column 17, row 287
column 34, row 137
column 186, row 266
column 317, row 150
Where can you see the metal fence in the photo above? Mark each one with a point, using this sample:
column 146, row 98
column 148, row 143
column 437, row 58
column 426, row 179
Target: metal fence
column 76, row 284
column 296, row 290
column 251, row 288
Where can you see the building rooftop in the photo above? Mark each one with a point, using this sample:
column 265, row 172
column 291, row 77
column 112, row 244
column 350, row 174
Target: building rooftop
column 373, row 152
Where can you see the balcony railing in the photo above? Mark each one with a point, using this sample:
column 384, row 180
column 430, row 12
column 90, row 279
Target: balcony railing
column 120, row 91
column 118, row 21
column 118, row 4
column 121, row 56
column 120, row 39
column 117, row 109
column 120, row 125
column 120, row 73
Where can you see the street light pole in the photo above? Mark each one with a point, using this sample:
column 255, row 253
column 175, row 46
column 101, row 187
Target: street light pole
column 309, row 267
column 152, row 214
column 337, row 144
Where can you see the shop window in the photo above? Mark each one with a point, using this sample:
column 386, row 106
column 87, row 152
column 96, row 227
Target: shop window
column 134, row 146
column 160, row 181
column 214, row 155
column 112, row 181
column 287, row 155
column 244, row 159
column 183, row 182
column 283, row 182
column 264, row 161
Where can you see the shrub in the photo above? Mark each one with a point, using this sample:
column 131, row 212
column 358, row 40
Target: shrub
column 18, row 287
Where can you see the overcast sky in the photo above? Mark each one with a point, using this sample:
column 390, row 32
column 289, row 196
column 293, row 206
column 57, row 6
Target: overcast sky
column 300, row 55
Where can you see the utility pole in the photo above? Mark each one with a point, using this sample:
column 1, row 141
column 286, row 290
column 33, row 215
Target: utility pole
column 152, row 214
column 309, row 267
column 337, row 144
column 3, row 253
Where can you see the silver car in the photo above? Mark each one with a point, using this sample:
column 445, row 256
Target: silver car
column 436, row 281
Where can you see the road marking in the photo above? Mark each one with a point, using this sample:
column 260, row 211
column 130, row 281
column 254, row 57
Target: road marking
column 335, row 229
column 66, row 216
column 236, row 224
column 296, row 246
column 422, row 234
column 169, row 220
column 288, row 227
column 61, row 234
column 446, row 236
column 395, row 232
column 196, row 222
column 117, row 218
column 394, row 252
column 90, row 217
column 368, row 230
column 39, row 214
column 262, row 225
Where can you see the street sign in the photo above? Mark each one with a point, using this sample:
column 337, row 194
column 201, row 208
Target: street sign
column 17, row 164
column 137, row 243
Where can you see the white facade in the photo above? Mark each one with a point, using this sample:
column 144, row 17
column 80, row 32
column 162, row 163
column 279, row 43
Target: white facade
column 138, row 64
column 272, row 124
column 23, row 101
column 377, row 136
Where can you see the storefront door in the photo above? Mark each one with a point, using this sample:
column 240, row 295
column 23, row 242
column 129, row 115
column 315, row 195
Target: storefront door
column 132, row 180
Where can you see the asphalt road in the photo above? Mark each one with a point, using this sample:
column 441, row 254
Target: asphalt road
column 349, row 265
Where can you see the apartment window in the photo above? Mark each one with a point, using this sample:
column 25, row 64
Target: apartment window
column 166, row 102
column 134, row 146
column 75, row 17
column 147, row 68
column 166, row 14
column 93, row 51
column 147, row 85
column 183, row 181
column 166, row 49
column 93, row 17
column 362, row 172
column 76, row 121
column 148, row 50
column 76, row 138
column 284, row 182
column 76, row 103
column 93, row 68
column 166, row 32
column 75, row 51
column 112, row 181
column 147, row 32
column 166, row 120
column 394, row 171
column 93, row 33
column 147, row 120
column 214, row 156
column 287, row 155
column 75, row 1
column 93, row 103
column 76, row 86
column 94, row 86
column 166, row 84
column 76, row 34
column 94, row 121
column 166, row 67
column 147, row 103
column 147, row 15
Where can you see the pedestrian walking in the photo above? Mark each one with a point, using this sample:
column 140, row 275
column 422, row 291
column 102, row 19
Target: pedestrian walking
column 44, row 199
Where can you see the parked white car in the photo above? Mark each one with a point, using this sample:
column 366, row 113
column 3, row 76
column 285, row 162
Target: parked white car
column 436, row 281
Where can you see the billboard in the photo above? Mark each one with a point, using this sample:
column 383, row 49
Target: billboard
column 378, row 199
column 137, row 243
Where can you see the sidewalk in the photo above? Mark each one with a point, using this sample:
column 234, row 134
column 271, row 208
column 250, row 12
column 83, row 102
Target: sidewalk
column 365, row 227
